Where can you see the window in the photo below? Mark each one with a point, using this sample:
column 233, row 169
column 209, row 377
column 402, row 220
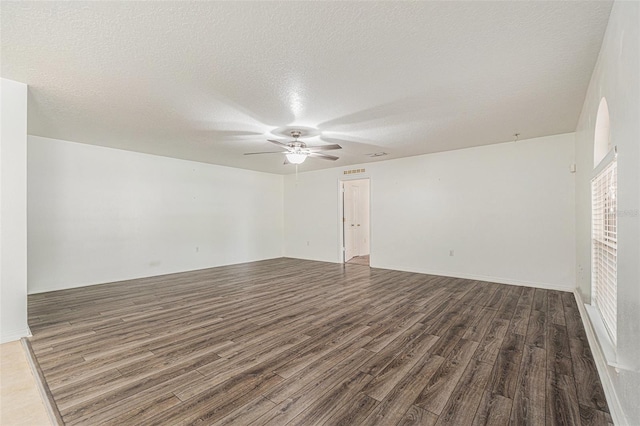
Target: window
column 604, row 226
column 604, row 245
column 602, row 141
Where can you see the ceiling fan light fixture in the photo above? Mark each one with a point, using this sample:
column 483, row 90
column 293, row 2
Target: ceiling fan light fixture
column 296, row 157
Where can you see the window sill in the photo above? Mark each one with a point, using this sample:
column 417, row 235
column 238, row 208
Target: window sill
column 605, row 343
column 604, row 340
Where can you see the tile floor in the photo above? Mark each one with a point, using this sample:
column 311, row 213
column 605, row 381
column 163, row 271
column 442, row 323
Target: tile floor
column 20, row 401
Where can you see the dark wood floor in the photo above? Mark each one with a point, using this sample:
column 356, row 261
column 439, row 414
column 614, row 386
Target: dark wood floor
column 299, row 342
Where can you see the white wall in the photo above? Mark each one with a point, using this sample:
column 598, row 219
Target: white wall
column 99, row 215
column 507, row 211
column 616, row 77
column 13, row 211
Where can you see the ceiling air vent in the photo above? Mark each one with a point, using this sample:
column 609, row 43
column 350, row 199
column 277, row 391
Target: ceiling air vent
column 350, row 172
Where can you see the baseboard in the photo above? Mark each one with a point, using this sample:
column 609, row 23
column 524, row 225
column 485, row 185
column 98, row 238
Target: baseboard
column 12, row 336
column 138, row 277
column 615, row 408
column 41, row 384
column 476, row 277
column 313, row 259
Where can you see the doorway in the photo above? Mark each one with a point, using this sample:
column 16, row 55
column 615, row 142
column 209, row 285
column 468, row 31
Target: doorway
column 355, row 221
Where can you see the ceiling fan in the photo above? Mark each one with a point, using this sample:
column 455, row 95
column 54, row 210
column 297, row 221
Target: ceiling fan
column 297, row 151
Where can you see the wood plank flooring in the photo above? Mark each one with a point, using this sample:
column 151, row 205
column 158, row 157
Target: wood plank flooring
column 295, row 342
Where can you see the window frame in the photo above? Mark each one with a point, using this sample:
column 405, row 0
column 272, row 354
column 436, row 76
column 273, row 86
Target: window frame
column 604, row 247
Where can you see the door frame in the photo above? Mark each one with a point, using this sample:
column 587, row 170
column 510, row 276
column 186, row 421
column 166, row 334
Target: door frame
column 341, row 233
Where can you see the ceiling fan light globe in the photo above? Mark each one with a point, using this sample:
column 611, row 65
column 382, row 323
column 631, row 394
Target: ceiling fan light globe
column 296, row 157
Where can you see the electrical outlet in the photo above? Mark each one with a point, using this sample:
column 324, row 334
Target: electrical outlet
column 450, row 252
column 197, row 249
column 308, row 243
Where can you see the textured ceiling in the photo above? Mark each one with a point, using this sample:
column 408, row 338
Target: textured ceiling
column 209, row 81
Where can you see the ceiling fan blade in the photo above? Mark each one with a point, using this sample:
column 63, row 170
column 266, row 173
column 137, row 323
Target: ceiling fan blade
column 265, row 152
column 323, row 156
column 324, row 147
column 279, row 143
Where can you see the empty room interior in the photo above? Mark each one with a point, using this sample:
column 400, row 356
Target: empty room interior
column 305, row 213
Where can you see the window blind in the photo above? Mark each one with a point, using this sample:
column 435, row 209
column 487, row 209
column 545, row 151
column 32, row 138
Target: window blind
column 604, row 188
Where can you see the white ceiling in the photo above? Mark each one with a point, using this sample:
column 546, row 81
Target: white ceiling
column 208, row 81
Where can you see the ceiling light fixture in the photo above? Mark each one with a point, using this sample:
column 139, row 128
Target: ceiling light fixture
column 296, row 157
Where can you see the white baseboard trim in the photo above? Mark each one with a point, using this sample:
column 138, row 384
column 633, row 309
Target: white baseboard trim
column 315, row 259
column 49, row 289
column 476, row 277
column 615, row 408
column 14, row 335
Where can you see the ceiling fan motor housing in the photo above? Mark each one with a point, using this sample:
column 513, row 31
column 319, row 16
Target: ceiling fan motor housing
column 298, row 151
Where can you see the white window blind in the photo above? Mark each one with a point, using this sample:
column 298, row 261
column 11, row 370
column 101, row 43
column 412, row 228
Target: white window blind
column 604, row 188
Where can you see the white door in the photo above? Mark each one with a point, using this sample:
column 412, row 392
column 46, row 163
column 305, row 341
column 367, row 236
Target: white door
column 351, row 222
column 355, row 205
